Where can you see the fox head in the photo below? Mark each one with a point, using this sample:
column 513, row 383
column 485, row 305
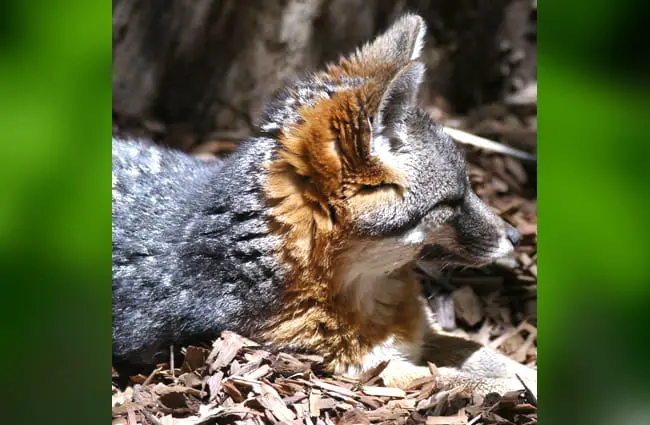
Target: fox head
column 362, row 171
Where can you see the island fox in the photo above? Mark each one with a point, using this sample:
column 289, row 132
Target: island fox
column 305, row 237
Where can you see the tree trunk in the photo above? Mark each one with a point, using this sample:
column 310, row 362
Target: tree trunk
column 183, row 69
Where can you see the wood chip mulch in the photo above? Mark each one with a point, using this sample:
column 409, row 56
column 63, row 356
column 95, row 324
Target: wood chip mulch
column 239, row 382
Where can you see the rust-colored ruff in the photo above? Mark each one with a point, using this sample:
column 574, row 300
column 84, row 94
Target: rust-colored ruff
column 322, row 163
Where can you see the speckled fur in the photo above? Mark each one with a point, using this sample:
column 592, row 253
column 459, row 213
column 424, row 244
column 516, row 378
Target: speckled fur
column 192, row 253
column 304, row 237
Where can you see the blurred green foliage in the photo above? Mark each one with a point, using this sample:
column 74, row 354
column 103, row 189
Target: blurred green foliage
column 593, row 260
column 55, row 101
column 55, row 223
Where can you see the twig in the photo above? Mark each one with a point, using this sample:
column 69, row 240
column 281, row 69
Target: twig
column 171, row 360
column 151, row 375
column 475, row 419
column 529, row 394
column 483, row 143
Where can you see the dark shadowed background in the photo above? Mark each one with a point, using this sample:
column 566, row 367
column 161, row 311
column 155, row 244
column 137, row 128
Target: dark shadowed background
column 184, row 70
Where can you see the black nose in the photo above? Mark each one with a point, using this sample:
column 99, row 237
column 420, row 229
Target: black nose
column 513, row 234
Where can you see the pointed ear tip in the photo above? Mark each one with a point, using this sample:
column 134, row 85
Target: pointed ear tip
column 414, row 20
column 415, row 24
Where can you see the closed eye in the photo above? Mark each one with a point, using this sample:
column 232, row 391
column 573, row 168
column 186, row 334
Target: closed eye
column 371, row 188
column 452, row 203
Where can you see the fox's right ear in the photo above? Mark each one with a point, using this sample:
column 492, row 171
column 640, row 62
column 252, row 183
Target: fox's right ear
column 399, row 45
column 399, row 97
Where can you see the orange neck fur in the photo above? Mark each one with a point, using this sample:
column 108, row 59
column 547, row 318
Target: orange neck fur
column 308, row 181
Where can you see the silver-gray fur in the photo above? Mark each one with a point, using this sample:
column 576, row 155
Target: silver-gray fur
column 192, row 254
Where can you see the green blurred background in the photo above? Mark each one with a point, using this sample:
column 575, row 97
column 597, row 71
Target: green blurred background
column 594, row 106
column 55, row 225
column 55, row 102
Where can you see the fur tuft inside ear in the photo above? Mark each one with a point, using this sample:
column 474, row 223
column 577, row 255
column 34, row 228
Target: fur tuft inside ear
column 399, row 97
column 399, row 45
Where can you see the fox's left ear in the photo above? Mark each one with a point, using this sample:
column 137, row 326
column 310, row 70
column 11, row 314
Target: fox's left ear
column 398, row 45
column 399, row 97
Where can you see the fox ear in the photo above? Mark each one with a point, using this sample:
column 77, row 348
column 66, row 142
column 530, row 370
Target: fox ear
column 399, row 45
column 400, row 96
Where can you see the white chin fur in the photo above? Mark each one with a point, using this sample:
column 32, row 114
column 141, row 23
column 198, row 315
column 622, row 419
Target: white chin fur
column 504, row 249
column 414, row 236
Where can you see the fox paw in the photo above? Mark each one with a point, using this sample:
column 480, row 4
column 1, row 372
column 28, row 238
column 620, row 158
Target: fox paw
column 484, row 372
column 487, row 371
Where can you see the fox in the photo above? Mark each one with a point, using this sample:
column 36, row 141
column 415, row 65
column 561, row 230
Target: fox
column 306, row 236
